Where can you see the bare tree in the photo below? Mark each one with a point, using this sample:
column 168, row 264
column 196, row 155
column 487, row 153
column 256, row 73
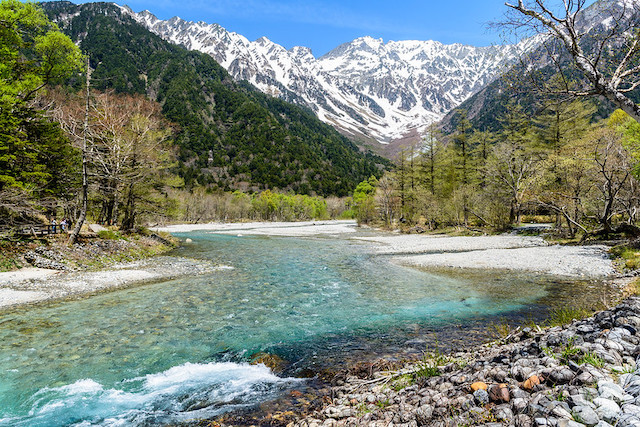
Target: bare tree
column 607, row 75
column 613, row 174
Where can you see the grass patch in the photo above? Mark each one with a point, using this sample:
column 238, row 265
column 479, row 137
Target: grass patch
column 565, row 315
column 109, row 235
column 403, row 382
column 383, row 403
column 592, row 359
column 9, row 264
column 499, row 331
column 626, row 257
column 10, row 256
column 428, row 365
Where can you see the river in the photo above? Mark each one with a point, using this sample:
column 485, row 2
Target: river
column 178, row 350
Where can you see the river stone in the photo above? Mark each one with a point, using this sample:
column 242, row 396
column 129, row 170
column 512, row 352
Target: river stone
column 481, row 397
column 519, row 404
column 561, row 376
column 607, row 409
column 503, row 413
column 523, row 420
column 585, row 415
column 517, row 392
column 579, row 400
column 531, row 382
column 559, row 409
column 423, row 414
column 612, row 391
column 499, row 393
column 478, row 385
column 628, row 420
column 584, row 378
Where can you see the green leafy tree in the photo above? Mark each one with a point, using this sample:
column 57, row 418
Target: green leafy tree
column 364, row 200
column 34, row 154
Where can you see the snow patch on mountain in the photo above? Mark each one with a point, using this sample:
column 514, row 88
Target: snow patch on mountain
column 367, row 88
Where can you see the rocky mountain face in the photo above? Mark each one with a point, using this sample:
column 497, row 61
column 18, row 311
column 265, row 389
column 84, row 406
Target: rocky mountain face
column 368, row 89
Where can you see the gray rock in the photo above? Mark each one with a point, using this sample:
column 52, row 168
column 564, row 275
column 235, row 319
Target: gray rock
column 559, row 410
column 579, row 400
column 519, row 393
column 423, row 414
column 628, row 420
column 40, row 261
column 631, row 408
column 585, row 415
column 523, row 421
column 503, row 413
column 561, row 375
column 481, row 397
column 519, row 405
column 607, row 409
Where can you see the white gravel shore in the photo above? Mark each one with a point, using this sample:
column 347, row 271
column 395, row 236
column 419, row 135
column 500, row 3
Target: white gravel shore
column 572, row 261
column 292, row 229
column 34, row 285
column 427, row 243
column 506, row 252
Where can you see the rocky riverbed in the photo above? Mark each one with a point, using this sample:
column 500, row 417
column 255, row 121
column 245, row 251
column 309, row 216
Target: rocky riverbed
column 586, row 373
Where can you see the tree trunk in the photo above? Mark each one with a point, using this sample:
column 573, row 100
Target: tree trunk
column 85, row 179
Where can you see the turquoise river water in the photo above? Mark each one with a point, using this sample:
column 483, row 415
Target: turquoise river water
column 177, row 350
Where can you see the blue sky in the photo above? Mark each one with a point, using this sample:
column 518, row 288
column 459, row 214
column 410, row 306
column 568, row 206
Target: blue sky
column 323, row 25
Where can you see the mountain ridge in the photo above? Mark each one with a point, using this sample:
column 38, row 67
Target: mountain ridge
column 368, row 89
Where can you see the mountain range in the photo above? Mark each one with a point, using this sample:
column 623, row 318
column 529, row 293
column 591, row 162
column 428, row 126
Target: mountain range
column 368, row 89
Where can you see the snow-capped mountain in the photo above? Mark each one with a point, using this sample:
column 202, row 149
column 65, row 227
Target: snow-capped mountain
column 367, row 88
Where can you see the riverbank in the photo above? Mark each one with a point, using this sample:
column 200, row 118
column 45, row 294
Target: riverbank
column 585, row 373
column 33, row 285
column 92, row 265
column 504, row 252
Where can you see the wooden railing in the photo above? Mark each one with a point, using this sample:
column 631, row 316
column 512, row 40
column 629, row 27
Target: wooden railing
column 40, row 230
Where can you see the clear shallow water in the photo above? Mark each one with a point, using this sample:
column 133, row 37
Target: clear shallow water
column 177, row 350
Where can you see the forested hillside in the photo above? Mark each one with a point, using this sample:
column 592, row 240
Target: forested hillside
column 230, row 136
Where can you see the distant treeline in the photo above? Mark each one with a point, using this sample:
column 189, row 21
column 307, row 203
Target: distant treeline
column 200, row 206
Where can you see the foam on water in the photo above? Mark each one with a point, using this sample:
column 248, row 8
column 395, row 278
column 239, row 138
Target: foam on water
column 189, row 391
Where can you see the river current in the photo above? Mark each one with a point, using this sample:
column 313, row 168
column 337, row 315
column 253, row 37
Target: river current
column 178, row 350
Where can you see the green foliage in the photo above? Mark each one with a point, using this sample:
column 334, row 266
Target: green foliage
column 565, row 315
column 36, row 159
column 32, row 52
column 628, row 257
column 109, row 235
column 269, row 206
column 429, row 364
column 201, row 205
column 363, row 200
column 382, row 404
column 569, row 351
column 592, row 359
